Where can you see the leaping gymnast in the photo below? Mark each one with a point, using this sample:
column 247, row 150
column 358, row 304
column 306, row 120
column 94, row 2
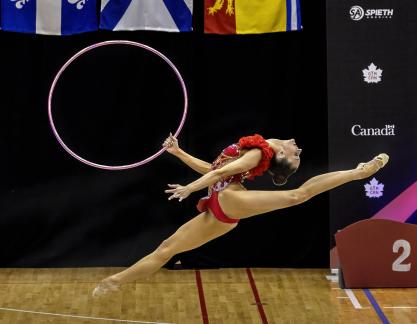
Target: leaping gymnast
column 228, row 201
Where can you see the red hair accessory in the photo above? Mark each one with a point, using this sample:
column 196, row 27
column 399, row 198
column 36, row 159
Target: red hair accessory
column 267, row 153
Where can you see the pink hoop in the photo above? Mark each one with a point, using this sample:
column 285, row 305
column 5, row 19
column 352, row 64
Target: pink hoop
column 113, row 42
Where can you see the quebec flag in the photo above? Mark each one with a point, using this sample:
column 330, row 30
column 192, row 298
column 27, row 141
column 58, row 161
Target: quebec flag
column 51, row 17
column 163, row 15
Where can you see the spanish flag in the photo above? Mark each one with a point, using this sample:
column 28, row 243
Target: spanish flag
column 251, row 16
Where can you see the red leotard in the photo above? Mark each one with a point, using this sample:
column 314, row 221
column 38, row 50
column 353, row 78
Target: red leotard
column 229, row 154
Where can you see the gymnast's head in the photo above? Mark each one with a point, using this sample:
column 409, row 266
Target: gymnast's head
column 285, row 161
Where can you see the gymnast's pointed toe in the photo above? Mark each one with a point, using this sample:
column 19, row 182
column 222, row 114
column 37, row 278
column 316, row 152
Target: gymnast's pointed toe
column 382, row 159
column 105, row 287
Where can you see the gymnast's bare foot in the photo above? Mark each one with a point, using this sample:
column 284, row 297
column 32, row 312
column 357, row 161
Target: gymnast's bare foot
column 107, row 285
column 371, row 167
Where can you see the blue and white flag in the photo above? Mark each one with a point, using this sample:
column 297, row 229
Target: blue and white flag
column 164, row 15
column 51, row 17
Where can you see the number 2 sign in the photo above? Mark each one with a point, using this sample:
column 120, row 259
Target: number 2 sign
column 378, row 253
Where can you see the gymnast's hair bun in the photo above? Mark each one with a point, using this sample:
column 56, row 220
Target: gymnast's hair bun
column 279, row 180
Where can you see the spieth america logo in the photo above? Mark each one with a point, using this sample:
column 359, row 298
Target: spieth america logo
column 357, row 13
column 372, row 74
column 358, row 130
column 374, row 189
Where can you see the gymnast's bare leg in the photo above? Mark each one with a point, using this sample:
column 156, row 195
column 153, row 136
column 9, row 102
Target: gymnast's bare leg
column 244, row 204
column 196, row 232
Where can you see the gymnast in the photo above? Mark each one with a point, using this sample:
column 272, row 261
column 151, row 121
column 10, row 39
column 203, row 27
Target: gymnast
column 228, row 201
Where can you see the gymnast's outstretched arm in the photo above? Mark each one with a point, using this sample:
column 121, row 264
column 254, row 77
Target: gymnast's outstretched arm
column 246, row 162
column 171, row 144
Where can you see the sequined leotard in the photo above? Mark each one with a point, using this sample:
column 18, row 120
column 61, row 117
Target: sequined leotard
column 229, row 154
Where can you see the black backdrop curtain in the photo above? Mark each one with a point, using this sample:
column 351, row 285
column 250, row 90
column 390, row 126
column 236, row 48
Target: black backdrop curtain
column 57, row 212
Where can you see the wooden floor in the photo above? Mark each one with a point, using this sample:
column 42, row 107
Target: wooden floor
column 229, row 296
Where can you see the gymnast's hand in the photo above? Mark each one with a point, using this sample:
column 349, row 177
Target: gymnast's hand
column 171, row 144
column 178, row 191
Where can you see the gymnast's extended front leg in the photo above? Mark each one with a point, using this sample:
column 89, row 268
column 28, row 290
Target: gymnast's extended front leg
column 328, row 181
column 243, row 204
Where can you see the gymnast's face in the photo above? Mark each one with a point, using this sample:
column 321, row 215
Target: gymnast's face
column 286, row 149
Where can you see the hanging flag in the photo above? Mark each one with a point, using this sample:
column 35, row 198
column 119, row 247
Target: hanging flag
column 51, row 17
column 251, row 16
column 163, row 15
